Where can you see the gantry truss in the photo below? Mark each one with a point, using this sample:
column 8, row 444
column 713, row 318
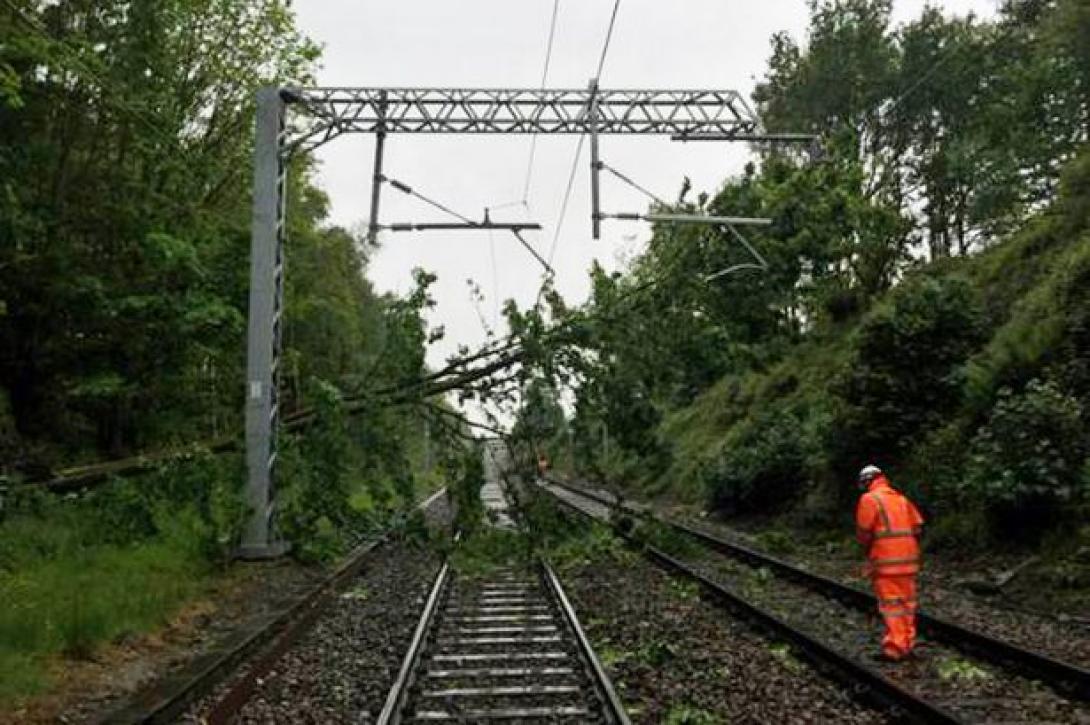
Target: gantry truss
column 334, row 111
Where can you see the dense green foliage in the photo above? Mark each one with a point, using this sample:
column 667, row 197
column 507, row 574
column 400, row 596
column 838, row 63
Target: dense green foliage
column 125, row 143
column 919, row 301
column 125, row 147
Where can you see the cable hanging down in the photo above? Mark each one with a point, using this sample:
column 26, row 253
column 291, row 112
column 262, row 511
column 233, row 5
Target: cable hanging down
column 761, row 264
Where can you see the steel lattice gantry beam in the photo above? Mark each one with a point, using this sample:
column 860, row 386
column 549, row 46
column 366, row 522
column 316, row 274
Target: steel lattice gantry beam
column 511, row 111
column 322, row 114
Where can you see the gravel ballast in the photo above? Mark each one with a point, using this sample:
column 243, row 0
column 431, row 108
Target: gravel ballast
column 971, row 689
column 1057, row 635
column 342, row 668
column 342, row 665
column 670, row 653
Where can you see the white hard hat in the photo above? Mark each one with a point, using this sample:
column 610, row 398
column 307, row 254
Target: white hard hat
column 868, row 473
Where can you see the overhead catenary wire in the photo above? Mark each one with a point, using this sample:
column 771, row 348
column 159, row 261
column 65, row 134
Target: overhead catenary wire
column 609, row 37
column 567, row 197
column 924, row 78
column 578, row 153
column 544, row 78
column 508, row 205
column 762, row 263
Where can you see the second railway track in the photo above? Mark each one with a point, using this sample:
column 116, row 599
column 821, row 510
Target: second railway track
column 1011, row 684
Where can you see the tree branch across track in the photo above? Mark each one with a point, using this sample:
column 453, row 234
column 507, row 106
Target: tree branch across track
column 454, row 376
column 430, row 386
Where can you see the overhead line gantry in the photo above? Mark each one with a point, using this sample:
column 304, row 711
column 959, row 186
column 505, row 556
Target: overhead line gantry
column 327, row 113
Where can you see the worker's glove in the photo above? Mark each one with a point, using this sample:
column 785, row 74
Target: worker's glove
column 866, row 571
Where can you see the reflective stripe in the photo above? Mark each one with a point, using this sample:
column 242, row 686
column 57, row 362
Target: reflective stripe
column 892, row 600
column 897, row 615
column 895, row 534
column 898, row 560
column 881, row 510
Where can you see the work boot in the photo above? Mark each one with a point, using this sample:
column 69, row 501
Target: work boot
column 890, row 654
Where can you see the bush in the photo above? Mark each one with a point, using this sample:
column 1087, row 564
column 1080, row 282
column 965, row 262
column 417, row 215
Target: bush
column 905, row 371
column 196, row 499
column 763, row 461
column 1029, row 457
column 315, row 511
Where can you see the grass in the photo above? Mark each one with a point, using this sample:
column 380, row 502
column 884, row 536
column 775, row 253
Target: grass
column 689, row 715
column 665, row 538
column 69, row 604
column 488, row 549
column 953, row 668
column 782, row 652
column 72, row 580
column 581, row 547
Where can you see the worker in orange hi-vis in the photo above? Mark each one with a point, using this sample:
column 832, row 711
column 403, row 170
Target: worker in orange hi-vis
column 888, row 526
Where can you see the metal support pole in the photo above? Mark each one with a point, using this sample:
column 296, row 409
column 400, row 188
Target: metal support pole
column 260, row 539
column 376, row 187
column 376, row 178
column 595, row 163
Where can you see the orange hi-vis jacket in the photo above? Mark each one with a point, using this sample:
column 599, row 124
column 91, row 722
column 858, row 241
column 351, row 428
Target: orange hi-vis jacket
column 887, row 525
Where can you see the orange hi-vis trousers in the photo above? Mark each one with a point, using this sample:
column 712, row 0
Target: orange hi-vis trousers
column 897, row 605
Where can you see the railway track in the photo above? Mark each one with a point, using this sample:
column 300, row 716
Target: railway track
column 828, row 621
column 506, row 646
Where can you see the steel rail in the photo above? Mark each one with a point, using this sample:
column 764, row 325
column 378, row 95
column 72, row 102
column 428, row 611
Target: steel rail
column 862, row 681
column 391, row 711
column 597, row 685
column 165, row 700
column 1064, row 677
column 601, row 680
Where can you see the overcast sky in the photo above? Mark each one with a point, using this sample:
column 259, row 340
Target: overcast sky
column 501, row 43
